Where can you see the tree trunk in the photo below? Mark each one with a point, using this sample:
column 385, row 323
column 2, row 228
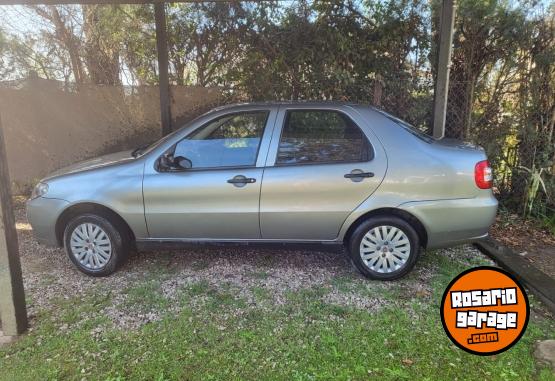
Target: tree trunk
column 68, row 39
column 101, row 56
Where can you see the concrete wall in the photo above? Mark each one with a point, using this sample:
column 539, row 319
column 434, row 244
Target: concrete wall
column 47, row 127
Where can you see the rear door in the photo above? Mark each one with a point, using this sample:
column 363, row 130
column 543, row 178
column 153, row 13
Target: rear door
column 322, row 164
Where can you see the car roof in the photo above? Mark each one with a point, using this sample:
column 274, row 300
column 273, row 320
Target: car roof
column 291, row 103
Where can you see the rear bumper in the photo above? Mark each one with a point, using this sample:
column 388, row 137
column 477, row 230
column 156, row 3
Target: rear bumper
column 454, row 222
column 43, row 214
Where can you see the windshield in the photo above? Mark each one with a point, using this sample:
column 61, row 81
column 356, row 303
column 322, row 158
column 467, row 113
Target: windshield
column 408, row 127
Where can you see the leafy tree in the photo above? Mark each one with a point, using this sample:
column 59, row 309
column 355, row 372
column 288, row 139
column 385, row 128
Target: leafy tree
column 204, row 41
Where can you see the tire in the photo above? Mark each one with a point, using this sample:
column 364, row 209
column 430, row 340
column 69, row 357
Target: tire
column 95, row 245
column 384, row 259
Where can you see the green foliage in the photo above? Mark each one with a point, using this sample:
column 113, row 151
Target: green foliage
column 338, row 50
column 534, row 182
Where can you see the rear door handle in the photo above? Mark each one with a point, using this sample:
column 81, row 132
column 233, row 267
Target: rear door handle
column 246, row 180
column 358, row 175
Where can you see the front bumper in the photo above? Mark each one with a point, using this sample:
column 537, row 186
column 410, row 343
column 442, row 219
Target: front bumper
column 43, row 214
column 453, row 222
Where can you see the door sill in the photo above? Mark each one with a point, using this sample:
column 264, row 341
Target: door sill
column 152, row 244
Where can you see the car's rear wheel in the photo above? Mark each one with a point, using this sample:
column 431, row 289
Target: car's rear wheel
column 384, row 248
column 95, row 245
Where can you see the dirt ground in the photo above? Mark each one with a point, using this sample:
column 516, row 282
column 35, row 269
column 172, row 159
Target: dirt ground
column 527, row 239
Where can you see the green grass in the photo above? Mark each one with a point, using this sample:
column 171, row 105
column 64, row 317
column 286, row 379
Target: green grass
column 303, row 339
column 146, row 295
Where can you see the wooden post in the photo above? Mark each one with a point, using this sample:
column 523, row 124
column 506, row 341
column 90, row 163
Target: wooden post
column 13, row 312
column 163, row 76
column 447, row 23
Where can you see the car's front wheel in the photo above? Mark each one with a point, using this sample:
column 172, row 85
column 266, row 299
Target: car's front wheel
column 94, row 244
column 384, row 248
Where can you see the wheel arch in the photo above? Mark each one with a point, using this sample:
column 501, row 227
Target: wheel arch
column 408, row 217
column 93, row 208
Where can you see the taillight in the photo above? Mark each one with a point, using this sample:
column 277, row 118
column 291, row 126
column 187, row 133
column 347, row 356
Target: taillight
column 483, row 175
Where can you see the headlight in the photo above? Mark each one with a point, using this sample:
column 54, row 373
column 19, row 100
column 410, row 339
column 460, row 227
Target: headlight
column 39, row 190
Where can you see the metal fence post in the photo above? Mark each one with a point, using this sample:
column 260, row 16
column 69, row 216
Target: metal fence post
column 163, row 75
column 447, row 24
column 13, row 312
column 378, row 91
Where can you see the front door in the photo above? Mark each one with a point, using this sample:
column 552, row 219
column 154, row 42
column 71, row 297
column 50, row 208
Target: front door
column 218, row 197
column 321, row 166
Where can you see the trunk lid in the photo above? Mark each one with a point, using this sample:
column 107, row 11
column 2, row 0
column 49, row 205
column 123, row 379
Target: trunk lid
column 458, row 144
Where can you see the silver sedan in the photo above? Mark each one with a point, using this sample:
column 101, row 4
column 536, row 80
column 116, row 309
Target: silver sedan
column 332, row 174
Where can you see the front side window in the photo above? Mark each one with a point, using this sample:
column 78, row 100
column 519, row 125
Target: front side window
column 228, row 141
column 321, row 136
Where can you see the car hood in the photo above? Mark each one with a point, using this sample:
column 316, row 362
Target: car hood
column 98, row 162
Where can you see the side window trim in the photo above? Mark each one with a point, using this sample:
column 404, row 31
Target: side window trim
column 263, row 144
column 283, row 119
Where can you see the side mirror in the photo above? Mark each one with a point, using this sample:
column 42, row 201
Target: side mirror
column 182, row 162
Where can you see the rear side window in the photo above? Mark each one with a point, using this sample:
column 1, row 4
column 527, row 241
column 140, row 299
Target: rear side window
column 321, row 136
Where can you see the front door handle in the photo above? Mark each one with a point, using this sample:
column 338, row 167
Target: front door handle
column 240, row 180
column 358, row 175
